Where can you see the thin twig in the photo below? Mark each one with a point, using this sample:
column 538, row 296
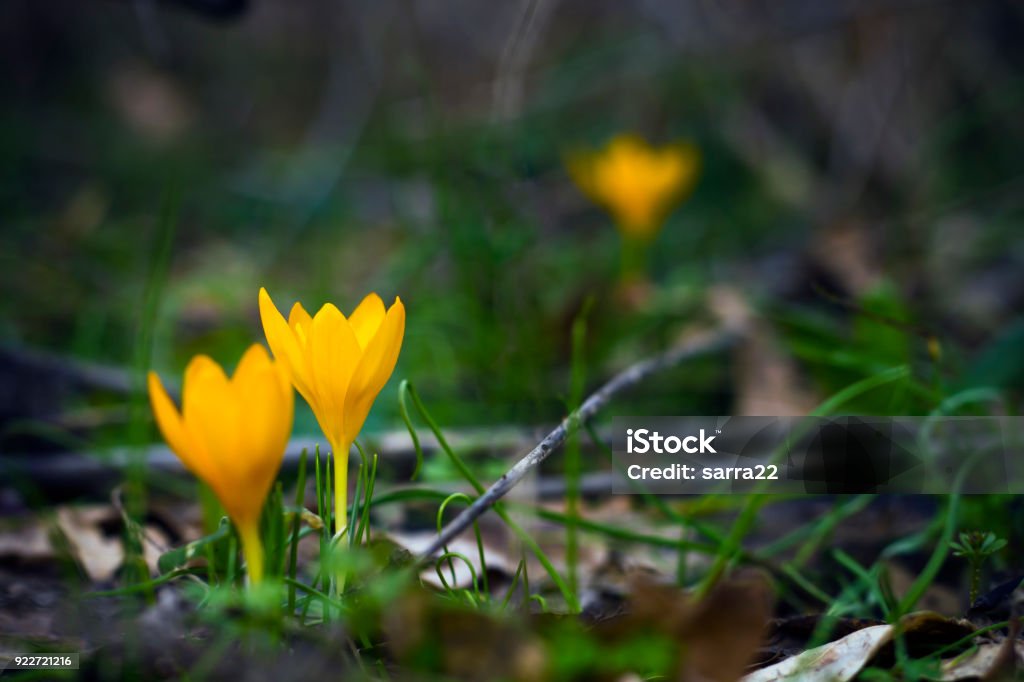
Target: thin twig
column 95, row 471
column 696, row 346
column 527, row 31
column 33, row 367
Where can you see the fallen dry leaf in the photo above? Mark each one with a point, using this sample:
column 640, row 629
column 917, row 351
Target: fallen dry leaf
column 465, row 644
column 834, row 662
column 789, row 636
column 97, row 553
column 727, row 629
column 842, row 659
column 987, row 662
column 26, row 540
column 767, row 380
column 94, row 535
column 718, row 635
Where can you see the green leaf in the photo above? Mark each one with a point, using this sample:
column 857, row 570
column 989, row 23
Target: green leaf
column 178, row 557
column 877, row 333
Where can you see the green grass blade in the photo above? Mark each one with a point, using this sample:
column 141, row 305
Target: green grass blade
column 293, row 555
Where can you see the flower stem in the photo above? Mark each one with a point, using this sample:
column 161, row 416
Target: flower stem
column 341, row 487
column 634, row 254
column 341, row 453
column 252, row 549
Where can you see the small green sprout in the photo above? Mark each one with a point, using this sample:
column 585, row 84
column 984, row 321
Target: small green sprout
column 976, row 546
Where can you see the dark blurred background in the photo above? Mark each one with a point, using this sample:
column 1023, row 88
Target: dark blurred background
column 861, row 187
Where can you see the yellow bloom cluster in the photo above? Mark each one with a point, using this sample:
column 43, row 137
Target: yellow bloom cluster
column 231, row 432
column 635, row 182
column 338, row 365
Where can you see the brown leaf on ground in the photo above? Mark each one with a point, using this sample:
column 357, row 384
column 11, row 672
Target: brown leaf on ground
column 95, row 537
column 708, row 639
column 844, row 658
column 987, row 662
column 834, row 662
column 464, row 644
column 25, row 540
column 100, row 554
column 790, row 636
column 727, row 629
column 718, row 635
column 767, row 380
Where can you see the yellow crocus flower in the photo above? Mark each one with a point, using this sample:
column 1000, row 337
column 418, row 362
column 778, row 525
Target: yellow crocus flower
column 232, row 434
column 338, row 365
column 637, row 183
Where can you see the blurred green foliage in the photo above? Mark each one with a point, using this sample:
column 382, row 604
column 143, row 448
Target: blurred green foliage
column 400, row 181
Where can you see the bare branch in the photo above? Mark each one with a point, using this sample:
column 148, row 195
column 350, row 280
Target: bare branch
column 94, row 472
column 697, row 346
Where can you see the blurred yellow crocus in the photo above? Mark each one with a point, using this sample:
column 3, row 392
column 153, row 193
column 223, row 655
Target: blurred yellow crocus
column 635, row 182
column 338, row 365
column 232, row 434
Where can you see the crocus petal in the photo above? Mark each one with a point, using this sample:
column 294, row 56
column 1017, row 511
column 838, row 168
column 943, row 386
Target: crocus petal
column 375, row 368
column 367, row 318
column 171, row 426
column 285, row 346
column 338, row 364
column 254, row 360
column 231, row 433
column 267, row 399
column 635, row 182
column 300, row 322
column 212, row 414
column 334, row 353
column 267, row 403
